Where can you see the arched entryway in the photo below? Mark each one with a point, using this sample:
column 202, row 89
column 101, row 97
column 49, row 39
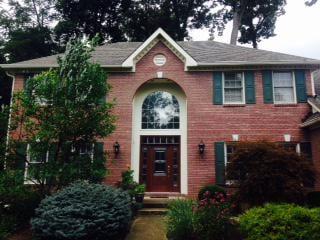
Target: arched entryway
column 159, row 137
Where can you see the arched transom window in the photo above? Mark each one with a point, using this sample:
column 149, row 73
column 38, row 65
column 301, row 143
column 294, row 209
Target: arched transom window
column 160, row 110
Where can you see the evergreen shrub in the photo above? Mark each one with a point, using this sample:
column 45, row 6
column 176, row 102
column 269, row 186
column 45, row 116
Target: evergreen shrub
column 83, row 211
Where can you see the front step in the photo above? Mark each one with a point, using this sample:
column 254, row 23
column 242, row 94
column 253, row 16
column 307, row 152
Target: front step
column 153, row 211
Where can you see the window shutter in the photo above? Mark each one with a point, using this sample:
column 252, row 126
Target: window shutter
column 217, row 88
column 301, row 90
column 250, row 87
column 306, row 150
column 220, row 165
column 21, row 155
column 98, row 151
column 267, row 86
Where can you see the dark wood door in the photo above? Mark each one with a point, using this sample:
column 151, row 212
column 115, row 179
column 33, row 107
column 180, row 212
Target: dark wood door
column 160, row 166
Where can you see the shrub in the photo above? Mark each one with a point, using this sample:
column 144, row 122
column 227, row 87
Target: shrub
column 17, row 202
column 83, row 211
column 210, row 191
column 267, row 172
column 213, row 215
column 278, row 222
column 313, row 199
column 207, row 219
column 181, row 219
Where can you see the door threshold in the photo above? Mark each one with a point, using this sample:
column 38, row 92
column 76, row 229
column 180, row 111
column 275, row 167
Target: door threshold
column 163, row 194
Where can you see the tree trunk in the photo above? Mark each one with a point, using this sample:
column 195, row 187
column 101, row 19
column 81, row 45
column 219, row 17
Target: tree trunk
column 235, row 28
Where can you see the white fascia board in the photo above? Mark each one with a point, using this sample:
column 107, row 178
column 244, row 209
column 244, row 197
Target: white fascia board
column 314, row 106
column 129, row 62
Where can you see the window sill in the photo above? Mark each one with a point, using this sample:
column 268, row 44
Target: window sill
column 285, row 104
column 235, row 105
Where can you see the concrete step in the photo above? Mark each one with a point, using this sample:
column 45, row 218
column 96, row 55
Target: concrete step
column 153, row 211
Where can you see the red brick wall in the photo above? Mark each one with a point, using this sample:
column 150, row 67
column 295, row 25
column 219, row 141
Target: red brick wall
column 207, row 122
column 315, row 143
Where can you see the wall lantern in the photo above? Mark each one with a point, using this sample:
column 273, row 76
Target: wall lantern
column 116, row 148
column 287, row 137
column 201, row 146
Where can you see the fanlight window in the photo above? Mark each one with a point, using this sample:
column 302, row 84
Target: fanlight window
column 160, row 110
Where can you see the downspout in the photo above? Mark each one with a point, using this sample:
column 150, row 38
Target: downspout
column 9, row 120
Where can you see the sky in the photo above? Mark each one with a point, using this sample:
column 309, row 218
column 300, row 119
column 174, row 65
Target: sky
column 298, row 31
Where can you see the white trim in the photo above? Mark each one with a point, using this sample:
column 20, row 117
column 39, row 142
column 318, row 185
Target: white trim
column 294, row 89
column 137, row 131
column 313, row 88
column 314, row 106
column 130, row 61
column 243, row 90
column 10, row 113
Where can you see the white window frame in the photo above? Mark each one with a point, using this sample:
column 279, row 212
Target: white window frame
column 243, row 90
column 28, row 180
column 294, row 89
column 91, row 153
column 227, row 182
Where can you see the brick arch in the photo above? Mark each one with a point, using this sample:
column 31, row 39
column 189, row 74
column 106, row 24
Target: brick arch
column 155, row 80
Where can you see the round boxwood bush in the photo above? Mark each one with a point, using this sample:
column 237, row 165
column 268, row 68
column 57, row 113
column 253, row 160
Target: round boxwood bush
column 83, row 211
column 281, row 221
column 210, row 191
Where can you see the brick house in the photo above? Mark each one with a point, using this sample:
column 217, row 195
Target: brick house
column 180, row 105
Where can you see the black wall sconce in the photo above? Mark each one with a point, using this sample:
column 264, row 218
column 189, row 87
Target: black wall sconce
column 201, row 146
column 116, row 148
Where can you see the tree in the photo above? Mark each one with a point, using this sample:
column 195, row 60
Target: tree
column 90, row 17
column 133, row 20
column 61, row 115
column 175, row 17
column 255, row 19
column 267, row 172
column 25, row 29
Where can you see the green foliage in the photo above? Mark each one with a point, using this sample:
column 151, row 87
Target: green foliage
column 25, row 29
column 213, row 217
column 140, row 189
column 83, row 211
column 313, row 199
column 17, row 202
column 210, row 191
column 267, row 172
column 62, row 112
column 280, row 222
column 254, row 19
column 121, row 20
column 181, row 220
column 207, row 219
column 127, row 183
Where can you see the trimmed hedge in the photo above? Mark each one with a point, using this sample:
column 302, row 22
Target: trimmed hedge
column 281, row 221
column 83, row 211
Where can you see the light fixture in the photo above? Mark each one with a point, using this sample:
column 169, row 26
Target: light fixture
column 116, row 148
column 201, row 147
column 287, row 137
column 235, row 137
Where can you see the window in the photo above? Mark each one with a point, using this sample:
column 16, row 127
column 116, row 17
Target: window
column 160, row 110
column 233, row 88
column 230, row 148
column 86, row 150
column 33, row 165
column 283, row 84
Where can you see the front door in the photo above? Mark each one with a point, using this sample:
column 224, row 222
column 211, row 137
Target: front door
column 160, row 163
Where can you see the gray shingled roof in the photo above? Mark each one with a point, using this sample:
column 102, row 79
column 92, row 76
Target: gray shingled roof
column 313, row 119
column 315, row 101
column 204, row 52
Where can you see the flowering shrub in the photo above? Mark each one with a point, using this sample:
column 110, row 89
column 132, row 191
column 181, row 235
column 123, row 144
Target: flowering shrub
column 206, row 219
column 213, row 216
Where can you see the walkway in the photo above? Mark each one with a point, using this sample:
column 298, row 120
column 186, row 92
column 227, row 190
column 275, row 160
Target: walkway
column 148, row 227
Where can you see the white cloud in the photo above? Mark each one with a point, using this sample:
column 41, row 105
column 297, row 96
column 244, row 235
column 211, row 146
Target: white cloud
column 297, row 31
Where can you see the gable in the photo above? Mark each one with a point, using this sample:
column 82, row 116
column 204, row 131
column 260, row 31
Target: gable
column 155, row 38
